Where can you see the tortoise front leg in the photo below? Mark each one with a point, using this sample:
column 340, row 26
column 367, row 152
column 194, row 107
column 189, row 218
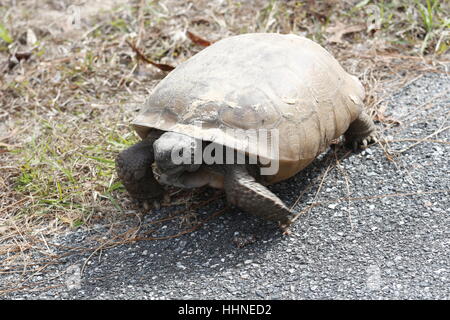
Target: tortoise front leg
column 134, row 168
column 245, row 193
column 361, row 132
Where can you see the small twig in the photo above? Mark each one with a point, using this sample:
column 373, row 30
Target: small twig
column 407, row 82
column 391, row 195
column 330, row 166
column 9, row 146
column 422, row 140
column 122, row 80
column 419, row 140
column 32, row 288
column 425, row 106
column 198, row 225
column 347, row 184
column 432, row 99
column 316, row 204
column 141, row 23
column 39, row 270
column 94, row 252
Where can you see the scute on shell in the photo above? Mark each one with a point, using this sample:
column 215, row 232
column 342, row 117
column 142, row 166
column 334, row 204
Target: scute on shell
column 258, row 81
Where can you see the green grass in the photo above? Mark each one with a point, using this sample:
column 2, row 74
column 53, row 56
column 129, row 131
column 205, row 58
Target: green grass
column 4, row 34
column 432, row 22
column 69, row 167
column 420, row 24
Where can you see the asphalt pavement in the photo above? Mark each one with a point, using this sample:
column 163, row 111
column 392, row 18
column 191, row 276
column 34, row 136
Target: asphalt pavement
column 380, row 229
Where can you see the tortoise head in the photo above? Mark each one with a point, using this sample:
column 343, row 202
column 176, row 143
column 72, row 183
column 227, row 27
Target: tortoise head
column 175, row 153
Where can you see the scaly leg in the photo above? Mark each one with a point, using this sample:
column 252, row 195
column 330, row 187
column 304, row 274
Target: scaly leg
column 361, row 132
column 245, row 193
column 134, row 168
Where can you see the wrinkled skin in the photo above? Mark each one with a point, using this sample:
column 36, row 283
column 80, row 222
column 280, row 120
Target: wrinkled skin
column 242, row 185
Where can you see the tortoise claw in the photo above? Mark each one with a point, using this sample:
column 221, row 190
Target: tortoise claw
column 156, row 204
column 166, row 198
column 363, row 143
column 286, row 229
column 146, row 205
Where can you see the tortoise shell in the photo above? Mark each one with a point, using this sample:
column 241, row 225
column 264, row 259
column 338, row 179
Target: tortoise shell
column 258, row 81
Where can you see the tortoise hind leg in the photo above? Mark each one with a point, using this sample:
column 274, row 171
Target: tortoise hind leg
column 361, row 132
column 245, row 193
column 134, row 169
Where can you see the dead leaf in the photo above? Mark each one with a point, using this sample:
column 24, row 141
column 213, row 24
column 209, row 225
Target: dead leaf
column 340, row 30
column 23, row 55
column 197, row 40
column 141, row 56
column 14, row 59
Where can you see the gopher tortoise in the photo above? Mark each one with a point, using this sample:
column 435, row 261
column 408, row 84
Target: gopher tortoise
column 285, row 90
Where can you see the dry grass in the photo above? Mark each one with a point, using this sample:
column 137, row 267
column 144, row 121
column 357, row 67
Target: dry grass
column 70, row 84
